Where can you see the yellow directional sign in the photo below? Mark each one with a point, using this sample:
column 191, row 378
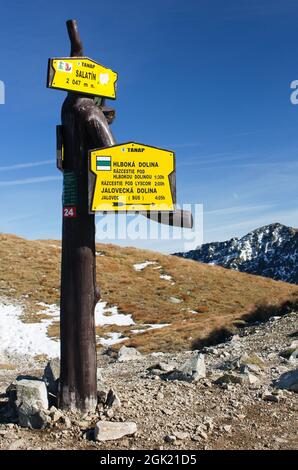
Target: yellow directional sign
column 132, row 177
column 82, row 75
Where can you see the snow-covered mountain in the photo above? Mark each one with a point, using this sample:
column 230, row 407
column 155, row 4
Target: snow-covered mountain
column 270, row 251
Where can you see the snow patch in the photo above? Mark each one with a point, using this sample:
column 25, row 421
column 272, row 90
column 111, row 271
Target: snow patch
column 135, row 332
column 141, row 266
column 110, row 316
column 150, row 326
column 49, row 309
column 166, row 277
column 28, row 339
column 156, row 326
column 114, row 338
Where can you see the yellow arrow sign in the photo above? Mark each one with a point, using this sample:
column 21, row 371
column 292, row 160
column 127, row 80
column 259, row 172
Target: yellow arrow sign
column 132, row 177
column 82, row 75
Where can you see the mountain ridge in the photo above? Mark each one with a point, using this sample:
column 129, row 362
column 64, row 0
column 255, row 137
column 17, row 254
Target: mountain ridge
column 269, row 251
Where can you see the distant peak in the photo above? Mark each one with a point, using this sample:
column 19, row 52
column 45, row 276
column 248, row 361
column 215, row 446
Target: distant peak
column 270, row 250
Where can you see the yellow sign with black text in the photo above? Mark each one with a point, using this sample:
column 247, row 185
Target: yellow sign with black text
column 132, row 177
column 82, row 75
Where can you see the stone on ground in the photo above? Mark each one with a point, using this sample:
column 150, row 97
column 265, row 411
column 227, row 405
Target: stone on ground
column 102, row 391
column 51, row 375
column 288, row 381
column 110, row 431
column 30, row 401
column 162, row 367
column 113, row 401
column 192, row 370
column 128, row 354
column 237, row 378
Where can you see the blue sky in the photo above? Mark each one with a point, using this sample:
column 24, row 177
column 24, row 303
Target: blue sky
column 208, row 79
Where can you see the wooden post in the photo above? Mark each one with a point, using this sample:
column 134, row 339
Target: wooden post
column 84, row 127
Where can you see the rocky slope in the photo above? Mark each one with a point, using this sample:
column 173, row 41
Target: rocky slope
column 237, row 404
column 270, row 251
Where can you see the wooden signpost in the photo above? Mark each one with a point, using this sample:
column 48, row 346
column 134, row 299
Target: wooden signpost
column 85, row 131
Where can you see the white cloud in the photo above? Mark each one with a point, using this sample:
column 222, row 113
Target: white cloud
column 38, row 179
column 239, row 209
column 21, row 166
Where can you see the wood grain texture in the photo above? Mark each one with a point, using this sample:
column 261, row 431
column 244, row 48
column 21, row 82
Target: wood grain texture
column 84, row 127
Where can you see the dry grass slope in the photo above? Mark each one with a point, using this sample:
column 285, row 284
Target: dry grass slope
column 30, row 270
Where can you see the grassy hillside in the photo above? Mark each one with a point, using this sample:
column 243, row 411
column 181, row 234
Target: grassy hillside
column 198, row 301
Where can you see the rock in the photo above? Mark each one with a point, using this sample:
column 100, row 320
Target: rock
column 66, row 421
column 109, row 413
column 51, row 375
column 82, row 424
column 246, row 363
column 162, row 366
column 195, row 367
column 225, row 354
column 154, row 373
column 213, row 351
column 29, row 400
column 170, row 439
column 17, row 444
column 206, row 382
column 288, row 381
column 192, row 370
column 202, row 434
column 157, row 354
column 55, row 414
column 235, row 339
column 252, row 379
column 181, row 435
column 267, row 396
column 252, row 360
column 236, row 378
column 102, row 392
column 227, row 386
column 227, row 428
column 294, row 356
column 240, row 416
column 128, row 354
column 110, row 431
column 32, row 417
column 292, row 350
column 208, row 422
column 175, row 300
column 102, row 388
column 113, row 401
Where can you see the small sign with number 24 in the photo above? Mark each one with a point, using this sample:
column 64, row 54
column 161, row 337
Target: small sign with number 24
column 70, row 212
